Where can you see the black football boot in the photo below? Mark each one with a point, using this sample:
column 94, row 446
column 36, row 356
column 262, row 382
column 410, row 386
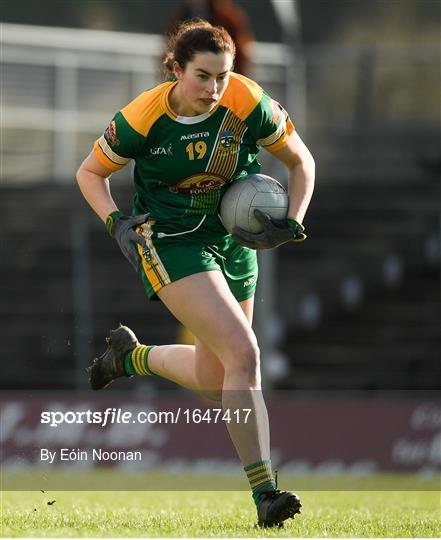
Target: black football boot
column 110, row 365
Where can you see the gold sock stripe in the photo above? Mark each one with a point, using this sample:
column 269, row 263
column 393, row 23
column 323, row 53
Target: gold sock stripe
column 258, row 469
column 135, row 360
column 142, row 360
column 252, row 466
column 263, row 470
column 260, row 480
column 259, row 473
column 263, row 474
column 138, row 360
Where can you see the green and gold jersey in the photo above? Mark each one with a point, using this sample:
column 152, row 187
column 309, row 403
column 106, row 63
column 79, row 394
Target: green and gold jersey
column 183, row 164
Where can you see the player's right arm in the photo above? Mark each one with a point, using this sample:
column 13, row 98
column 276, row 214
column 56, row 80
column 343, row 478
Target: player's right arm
column 93, row 180
column 122, row 141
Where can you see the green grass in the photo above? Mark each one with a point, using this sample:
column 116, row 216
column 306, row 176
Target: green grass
column 114, row 479
column 216, row 514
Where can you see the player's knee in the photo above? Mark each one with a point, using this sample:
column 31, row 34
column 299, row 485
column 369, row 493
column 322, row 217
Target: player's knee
column 245, row 361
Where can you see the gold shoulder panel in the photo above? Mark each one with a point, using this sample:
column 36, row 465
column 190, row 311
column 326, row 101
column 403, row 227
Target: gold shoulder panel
column 144, row 110
column 241, row 96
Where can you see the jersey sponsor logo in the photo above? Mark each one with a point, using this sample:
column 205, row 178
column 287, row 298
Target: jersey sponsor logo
column 251, row 281
column 161, row 151
column 190, row 136
column 198, row 184
column 110, row 134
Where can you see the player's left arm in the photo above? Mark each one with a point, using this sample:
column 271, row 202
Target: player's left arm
column 274, row 131
column 301, row 169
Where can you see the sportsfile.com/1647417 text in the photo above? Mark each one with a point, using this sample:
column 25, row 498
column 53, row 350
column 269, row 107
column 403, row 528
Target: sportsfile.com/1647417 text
column 113, row 415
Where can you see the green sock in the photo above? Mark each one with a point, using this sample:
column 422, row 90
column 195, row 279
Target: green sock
column 260, row 477
column 136, row 361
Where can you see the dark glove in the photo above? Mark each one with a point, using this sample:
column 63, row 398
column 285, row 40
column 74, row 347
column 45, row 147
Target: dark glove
column 122, row 228
column 275, row 232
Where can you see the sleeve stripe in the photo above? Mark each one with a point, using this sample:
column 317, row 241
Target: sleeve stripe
column 103, row 159
column 283, row 139
column 271, row 139
column 274, row 137
column 110, row 154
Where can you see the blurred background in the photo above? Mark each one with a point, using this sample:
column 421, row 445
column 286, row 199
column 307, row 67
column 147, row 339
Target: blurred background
column 354, row 310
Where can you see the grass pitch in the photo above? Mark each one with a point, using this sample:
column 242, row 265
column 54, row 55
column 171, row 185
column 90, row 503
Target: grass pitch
column 216, row 514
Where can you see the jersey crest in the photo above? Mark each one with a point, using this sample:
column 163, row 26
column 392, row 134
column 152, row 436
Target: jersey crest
column 226, row 138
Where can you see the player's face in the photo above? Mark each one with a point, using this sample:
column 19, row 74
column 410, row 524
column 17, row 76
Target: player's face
column 203, row 82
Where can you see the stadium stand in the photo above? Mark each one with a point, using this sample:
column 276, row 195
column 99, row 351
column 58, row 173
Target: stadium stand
column 373, row 266
column 386, row 338
column 363, row 305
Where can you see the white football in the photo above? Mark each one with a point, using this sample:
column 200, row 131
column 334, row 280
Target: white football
column 251, row 192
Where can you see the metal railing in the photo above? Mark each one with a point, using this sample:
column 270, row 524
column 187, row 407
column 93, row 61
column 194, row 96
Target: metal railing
column 61, row 87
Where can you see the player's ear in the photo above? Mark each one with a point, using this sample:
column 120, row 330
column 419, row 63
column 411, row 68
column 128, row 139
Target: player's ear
column 177, row 70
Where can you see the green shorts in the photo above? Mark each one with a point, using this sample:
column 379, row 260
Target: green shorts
column 172, row 258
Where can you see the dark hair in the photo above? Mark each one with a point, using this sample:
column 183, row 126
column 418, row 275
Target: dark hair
column 194, row 36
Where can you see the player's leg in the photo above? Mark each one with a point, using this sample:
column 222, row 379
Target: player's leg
column 194, row 366
column 205, row 305
column 225, row 337
column 214, row 315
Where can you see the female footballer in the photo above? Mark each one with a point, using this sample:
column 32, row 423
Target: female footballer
column 189, row 138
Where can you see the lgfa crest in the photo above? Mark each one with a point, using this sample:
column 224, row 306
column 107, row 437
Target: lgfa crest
column 111, row 134
column 226, row 139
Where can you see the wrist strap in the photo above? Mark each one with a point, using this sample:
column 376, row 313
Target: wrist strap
column 297, row 230
column 111, row 219
column 295, row 226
